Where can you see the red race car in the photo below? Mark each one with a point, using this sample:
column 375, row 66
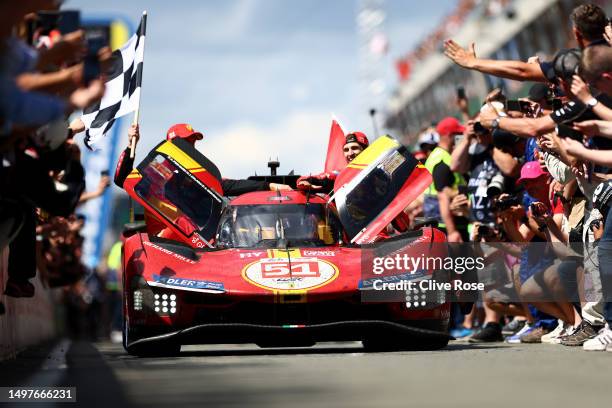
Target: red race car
column 286, row 268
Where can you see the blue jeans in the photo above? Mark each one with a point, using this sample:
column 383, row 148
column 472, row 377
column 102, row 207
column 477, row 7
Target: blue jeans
column 605, row 267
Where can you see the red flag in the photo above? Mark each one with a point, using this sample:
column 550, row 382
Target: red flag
column 403, row 68
column 335, row 161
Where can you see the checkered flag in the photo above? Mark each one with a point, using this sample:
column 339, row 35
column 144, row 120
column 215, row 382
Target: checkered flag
column 122, row 95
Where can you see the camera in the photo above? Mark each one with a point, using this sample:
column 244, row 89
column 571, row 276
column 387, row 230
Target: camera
column 537, row 209
column 485, row 231
column 478, row 128
column 505, row 203
column 496, row 185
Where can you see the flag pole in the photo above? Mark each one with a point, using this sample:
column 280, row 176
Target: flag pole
column 143, row 29
column 143, row 32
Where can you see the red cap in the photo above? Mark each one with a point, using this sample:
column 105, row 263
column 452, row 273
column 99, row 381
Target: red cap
column 357, row 137
column 449, row 126
column 531, row 170
column 182, row 130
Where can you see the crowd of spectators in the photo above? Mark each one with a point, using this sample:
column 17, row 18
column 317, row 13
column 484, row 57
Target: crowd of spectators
column 44, row 78
column 528, row 183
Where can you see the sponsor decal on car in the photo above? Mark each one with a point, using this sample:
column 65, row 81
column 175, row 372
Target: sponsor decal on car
column 187, row 284
column 252, row 254
column 168, row 252
column 290, row 274
column 317, row 252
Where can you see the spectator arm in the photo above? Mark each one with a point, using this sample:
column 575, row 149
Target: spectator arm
column 508, row 164
column 445, row 211
column 460, row 159
column 53, row 82
column 527, row 127
column 516, row 70
column 603, row 112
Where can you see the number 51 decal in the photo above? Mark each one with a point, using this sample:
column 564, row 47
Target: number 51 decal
column 297, row 269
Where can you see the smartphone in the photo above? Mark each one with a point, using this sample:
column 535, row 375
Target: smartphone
column 460, row 92
column 69, row 21
column 565, row 131
column 91, row 65
column 513, row 105
column 104, row 173
column 463, row 190
column 47, row 21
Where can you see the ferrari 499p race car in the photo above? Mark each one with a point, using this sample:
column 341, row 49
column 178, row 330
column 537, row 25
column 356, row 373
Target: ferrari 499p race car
column 276, row 269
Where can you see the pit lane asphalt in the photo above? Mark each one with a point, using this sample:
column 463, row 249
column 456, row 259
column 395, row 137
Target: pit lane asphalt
column 328, row 375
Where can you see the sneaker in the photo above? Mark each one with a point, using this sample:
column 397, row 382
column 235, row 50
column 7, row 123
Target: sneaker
column 490, row 332
column 19, row 289
column 568, row 330
column 553, row 335
column 516, row 338
column 585, row 331
column 513, row 327
column 534, row 336
column 600, row 342
column 461, row 332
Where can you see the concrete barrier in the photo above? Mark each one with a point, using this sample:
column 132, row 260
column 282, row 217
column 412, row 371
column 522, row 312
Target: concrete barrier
column 26, row 321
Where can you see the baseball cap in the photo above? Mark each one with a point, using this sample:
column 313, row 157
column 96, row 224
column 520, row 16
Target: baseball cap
column 429, row 137
column 182, row 130
column 449, row 126
column 357, row 137
column 538, row 92
column 563, row 66
column 531, row 170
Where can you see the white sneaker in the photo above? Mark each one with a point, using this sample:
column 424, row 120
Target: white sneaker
column 553, row 336
column 516, row 337
column 601, row 342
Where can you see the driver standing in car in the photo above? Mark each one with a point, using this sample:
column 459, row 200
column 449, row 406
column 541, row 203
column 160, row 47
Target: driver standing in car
column 355, row 143
column 231, row 187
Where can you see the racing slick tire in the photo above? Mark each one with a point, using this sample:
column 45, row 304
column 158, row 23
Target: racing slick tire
column 382, row 345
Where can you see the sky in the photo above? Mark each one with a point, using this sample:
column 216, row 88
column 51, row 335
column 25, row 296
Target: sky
column 260, row 78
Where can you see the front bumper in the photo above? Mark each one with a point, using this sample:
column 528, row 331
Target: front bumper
column 298, row 335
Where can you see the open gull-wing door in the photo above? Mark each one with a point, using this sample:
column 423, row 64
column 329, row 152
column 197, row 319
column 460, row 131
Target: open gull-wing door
column 376, row 186
column 181, row 188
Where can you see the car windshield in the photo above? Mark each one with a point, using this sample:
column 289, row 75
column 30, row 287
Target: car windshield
column 245, row 226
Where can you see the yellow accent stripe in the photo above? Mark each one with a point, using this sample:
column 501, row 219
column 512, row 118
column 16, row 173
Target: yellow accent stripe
column 295, row 296
column 373, row 151
column 180, row 156
column 281, row 253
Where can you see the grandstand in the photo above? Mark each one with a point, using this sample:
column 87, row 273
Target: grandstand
column 525, row 28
